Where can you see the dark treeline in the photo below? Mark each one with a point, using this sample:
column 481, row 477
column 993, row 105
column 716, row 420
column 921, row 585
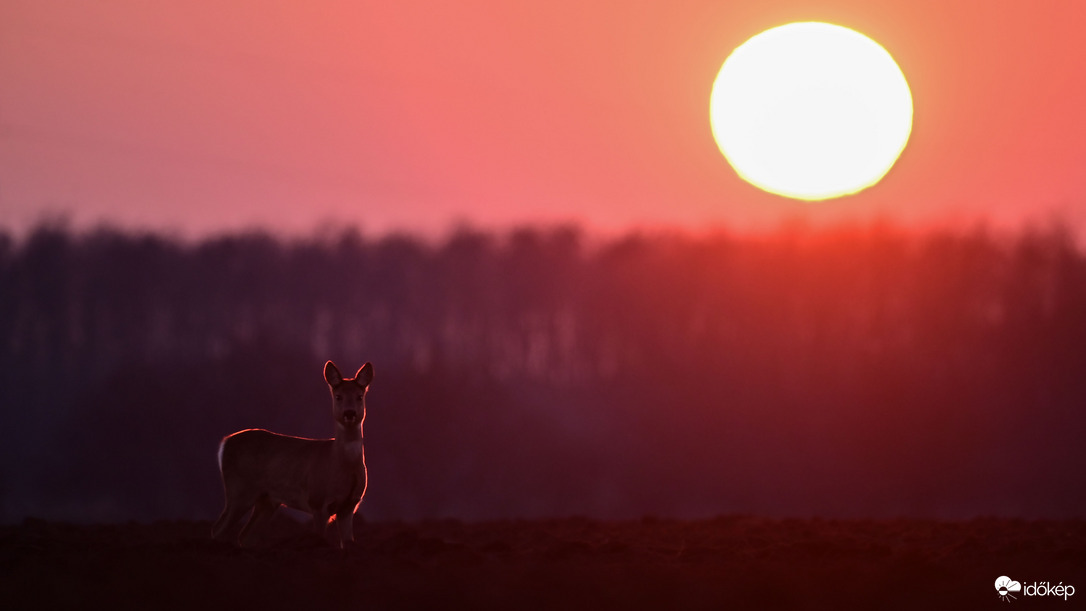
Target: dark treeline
column 848, row 372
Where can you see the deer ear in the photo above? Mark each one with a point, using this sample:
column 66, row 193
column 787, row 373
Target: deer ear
column 332, row 375
column 364, row 375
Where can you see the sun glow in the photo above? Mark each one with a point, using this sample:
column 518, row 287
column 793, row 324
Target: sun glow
column 811, row 111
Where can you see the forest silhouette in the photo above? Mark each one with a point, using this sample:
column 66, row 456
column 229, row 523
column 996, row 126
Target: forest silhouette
column 848, row 372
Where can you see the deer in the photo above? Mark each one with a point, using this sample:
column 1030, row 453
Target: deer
column 325, row 478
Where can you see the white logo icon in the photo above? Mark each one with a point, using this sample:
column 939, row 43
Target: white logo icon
column 1004, row 586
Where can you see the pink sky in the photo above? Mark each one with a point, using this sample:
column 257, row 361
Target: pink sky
column 204, row 116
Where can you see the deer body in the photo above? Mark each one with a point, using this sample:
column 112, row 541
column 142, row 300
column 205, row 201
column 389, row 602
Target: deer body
column 262, row 470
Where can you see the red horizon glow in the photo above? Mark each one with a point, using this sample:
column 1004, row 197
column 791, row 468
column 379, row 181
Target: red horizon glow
column 417, row 115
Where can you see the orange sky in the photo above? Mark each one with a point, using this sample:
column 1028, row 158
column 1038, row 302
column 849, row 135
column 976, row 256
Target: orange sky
column 203, row 116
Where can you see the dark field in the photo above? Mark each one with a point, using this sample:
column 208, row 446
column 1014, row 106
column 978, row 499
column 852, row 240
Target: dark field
column 728, row 562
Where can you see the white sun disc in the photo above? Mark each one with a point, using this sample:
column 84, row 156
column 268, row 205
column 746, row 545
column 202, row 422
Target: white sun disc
column 811, row 111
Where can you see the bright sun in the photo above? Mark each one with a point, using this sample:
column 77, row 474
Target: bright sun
column 811, row 111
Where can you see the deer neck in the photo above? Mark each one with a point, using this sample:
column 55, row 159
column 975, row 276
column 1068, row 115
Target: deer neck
column 348, row 441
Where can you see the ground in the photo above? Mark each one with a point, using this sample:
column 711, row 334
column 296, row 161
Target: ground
column 728, row 562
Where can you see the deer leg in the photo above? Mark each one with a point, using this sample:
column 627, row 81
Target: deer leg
column 345, row 522
column 320, row 521
column 230, row 515
column 263, row 509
